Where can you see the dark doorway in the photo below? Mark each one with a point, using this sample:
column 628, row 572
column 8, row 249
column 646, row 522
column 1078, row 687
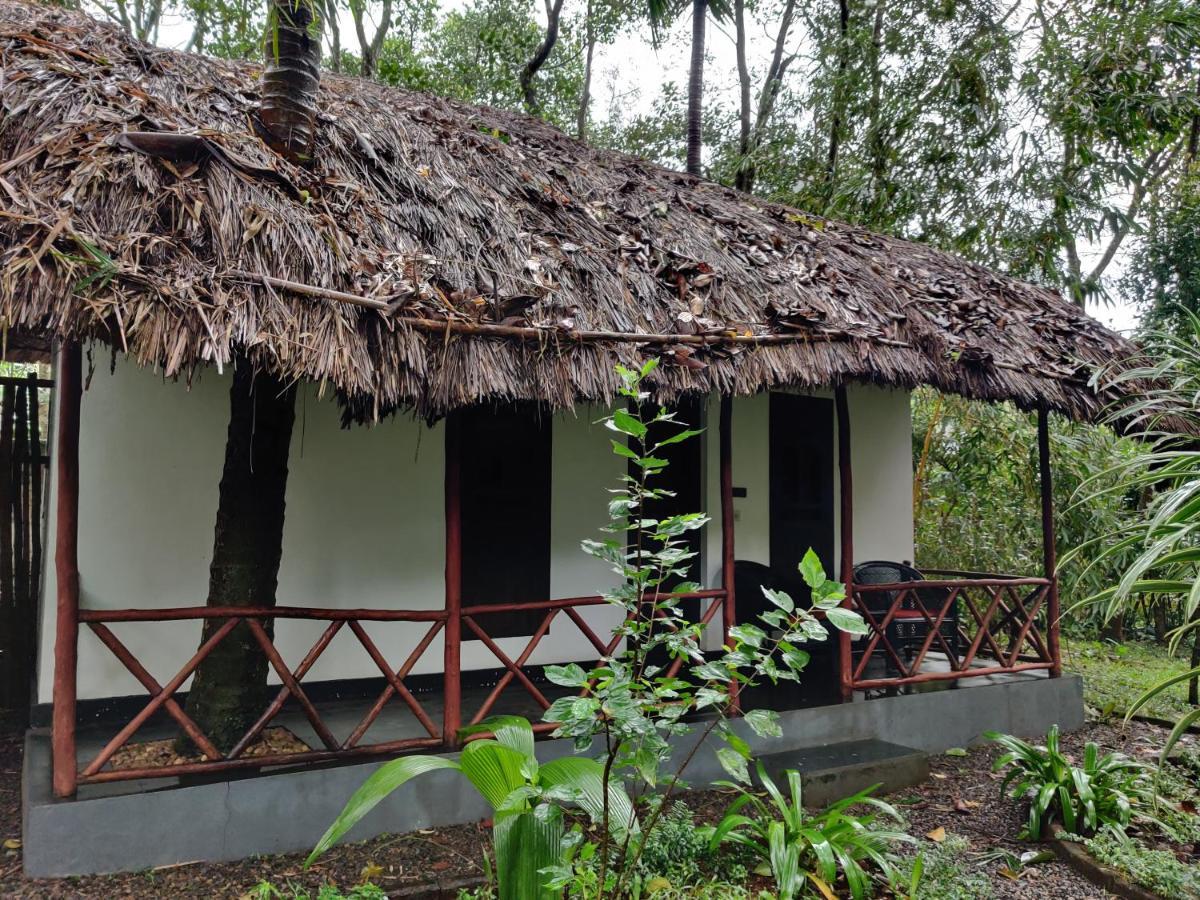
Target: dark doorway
column 684, row 476
column 24, row 402
column 801, row 474
column 506, row 455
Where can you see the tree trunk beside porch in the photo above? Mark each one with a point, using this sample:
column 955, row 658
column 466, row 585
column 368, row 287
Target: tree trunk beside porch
column 230, row 686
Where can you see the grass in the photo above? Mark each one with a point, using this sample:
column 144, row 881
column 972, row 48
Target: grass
column 1114, row 675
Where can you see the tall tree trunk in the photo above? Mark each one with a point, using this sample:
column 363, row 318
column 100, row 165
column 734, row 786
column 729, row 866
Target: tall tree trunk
column 751, row 129
column 229, row 690
column 695, row 111
column 335, row 35
column 369, row 48
column 839, row 98
column 291, row 76
column 585, row 97
column 743, row 178
column 540, row 55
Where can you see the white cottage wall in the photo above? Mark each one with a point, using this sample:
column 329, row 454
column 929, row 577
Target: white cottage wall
column 364, row 523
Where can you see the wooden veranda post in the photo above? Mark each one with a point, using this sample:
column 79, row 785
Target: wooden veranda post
column 66, row 566
column 452, row 668
column 729, row 607
column 1049, row 550
column 846, row 502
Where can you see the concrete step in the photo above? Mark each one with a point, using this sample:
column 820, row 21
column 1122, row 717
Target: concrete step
column 833, row 771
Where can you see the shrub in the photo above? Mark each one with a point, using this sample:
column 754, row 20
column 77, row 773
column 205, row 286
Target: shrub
column 1100, row 793
column 675, row 850
column 265, row 890
column 945, row 873
column 798, row 846
column 1155, row 870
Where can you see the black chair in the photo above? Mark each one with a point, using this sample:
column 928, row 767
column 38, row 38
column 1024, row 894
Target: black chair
column 909, row 627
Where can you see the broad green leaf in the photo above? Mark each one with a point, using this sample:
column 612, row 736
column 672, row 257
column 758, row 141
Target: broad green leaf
column 526, row 843
column 811, row 569
column 764, row 722
column 382, row 782
column 625, row 423
column 495, row 770
column 587, row 776
column 513, row 732
column 571, row 675
column 846, row 620
column 735, row 764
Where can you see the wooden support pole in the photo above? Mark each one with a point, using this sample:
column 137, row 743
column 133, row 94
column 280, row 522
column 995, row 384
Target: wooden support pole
column 1049, row 550
column 66, row 565
column 729, row 604
column 846, row 500
column 452, row 667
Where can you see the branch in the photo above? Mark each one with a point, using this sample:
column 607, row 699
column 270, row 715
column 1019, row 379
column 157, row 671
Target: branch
column 1140, row 189
column 540, row 55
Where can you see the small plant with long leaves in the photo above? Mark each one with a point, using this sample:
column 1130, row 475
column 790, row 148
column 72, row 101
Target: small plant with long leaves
column 527, row 798
column 1100, row 794
column 798, row 847
column 637, row 698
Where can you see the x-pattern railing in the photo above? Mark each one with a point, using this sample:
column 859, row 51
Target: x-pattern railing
column 515, row 668
column 1000, row 631
column 162, row 697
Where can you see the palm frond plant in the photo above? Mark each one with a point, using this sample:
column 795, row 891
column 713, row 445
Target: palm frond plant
column 1103, row 793
column 797, row 846
column 526, row 797
column 1164, row 408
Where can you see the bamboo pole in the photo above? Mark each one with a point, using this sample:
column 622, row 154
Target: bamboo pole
column 452, row 662
column 1049, row 549
column 846, row 500
column 66, row 563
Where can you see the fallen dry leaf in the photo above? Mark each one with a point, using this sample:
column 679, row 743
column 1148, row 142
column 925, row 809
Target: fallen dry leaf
column 937, row 835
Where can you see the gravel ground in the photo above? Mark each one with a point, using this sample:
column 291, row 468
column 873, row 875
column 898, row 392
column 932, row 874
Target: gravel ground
column 961, row 797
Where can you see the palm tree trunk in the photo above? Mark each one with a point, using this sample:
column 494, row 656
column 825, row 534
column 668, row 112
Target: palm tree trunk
column 695, row 120
column 291, row 76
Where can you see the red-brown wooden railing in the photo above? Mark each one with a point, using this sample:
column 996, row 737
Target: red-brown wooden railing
column 962, row 625
column 162, row 696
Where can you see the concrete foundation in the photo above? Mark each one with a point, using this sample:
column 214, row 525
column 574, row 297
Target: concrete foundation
column 288, row 811
column 834, row 771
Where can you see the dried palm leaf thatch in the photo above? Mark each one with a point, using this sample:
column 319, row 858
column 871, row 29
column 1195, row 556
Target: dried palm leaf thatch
column 436, row 254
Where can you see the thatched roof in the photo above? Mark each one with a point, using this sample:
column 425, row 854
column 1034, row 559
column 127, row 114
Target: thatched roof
column 490, row 249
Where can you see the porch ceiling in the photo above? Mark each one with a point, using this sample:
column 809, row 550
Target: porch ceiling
column 438, row 254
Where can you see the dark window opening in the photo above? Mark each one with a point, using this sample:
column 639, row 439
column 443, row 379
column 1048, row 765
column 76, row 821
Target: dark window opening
column 506, row 462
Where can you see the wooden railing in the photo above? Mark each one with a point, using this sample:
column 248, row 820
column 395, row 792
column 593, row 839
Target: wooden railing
column 953, row 626
column 162, row 697
column 472, row 618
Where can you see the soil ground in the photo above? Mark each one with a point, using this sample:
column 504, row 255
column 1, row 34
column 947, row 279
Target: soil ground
column 961, row 797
